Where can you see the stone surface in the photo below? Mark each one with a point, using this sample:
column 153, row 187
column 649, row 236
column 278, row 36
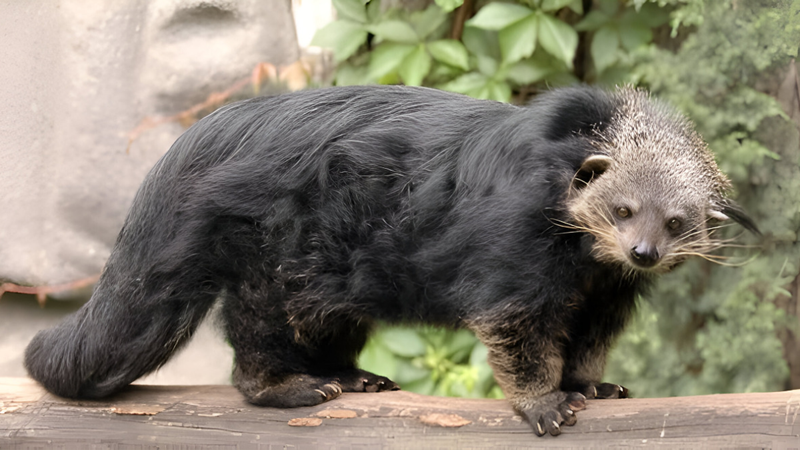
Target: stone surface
column 78, row 76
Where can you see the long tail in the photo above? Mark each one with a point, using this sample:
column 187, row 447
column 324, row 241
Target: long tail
column 159, row 282
column 112, row 341
column 148, row 302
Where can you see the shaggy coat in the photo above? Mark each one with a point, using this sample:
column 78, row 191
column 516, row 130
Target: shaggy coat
column 315, row 215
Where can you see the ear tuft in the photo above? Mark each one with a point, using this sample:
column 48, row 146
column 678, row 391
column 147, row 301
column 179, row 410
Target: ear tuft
column 717, row 215
column 728, row 209
column 591, row 168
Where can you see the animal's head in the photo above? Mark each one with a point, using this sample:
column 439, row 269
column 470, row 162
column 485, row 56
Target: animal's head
column 652, row 194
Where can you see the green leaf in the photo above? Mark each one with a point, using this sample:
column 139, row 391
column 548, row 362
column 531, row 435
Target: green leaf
column 377, row 358
column 351, row 9
column 351, row 75
column 496, row 392
column 460, row 345
column 450, row 51
column 466, row 83
column 594, row 20
column 394, row 31
column 555, row 5
column 480, row 93
column 615, row 75
column 415, row 66
column 605, row 44
column 390, row 78
column 499, row 90
column 493, row 90
column 479, row 355
column 424, row 386
column 576, row 6
column 518, row 40
column 442, row 73
column 529, row 71
column 487, row 65
column 653, row 16
column 407, row 372
column 403, row 341
column 634, row 34
column 609, row 7
column 496, row 16
column 561, row 78
column 449, row 5
column 342, row 36
column 428, row 20
column 481, row 42
column 558, row 38
column 387, row 57
column 373, row 10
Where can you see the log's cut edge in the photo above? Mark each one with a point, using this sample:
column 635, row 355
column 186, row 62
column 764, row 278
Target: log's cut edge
column 200, row 416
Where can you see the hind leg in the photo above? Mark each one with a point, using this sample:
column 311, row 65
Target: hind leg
column 271, row 367
column 337, row 354
column 277, row 365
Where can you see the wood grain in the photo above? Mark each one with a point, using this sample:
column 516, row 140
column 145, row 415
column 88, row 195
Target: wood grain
column 189, row 417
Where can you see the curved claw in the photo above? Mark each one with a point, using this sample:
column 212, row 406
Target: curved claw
column 549, row 412
column 610, row 390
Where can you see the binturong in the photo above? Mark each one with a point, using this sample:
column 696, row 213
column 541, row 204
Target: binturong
column 313, row 216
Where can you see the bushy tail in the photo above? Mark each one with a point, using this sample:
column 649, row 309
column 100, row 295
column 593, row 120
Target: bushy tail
column 121, row 334
column 157, row 286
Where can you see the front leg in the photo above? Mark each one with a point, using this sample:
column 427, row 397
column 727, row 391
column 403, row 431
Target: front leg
column 583, row 372
column 585, row 362
column 528, row 362
column 592, row 332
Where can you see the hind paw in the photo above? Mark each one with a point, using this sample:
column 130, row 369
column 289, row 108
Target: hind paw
column 293, row 391
column 363, row 381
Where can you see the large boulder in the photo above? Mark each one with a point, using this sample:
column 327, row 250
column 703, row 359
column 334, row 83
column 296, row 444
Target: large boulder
column 77, row 77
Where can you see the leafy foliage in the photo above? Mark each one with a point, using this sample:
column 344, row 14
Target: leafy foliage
column 706, row 328
column 431, row 361
column 505, row 47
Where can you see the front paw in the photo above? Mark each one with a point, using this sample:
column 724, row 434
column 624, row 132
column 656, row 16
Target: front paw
column 599, row 391
column 548, row 413
column 329, row 391
column 362, row 381
column 610, row 390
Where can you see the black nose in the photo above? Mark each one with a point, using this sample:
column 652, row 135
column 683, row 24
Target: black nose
column 644, row 255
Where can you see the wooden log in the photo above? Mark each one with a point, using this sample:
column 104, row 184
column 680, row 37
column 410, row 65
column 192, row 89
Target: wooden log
column 188, row 417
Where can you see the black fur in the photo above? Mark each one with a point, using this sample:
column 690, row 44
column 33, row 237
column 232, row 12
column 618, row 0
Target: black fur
column 316, row 214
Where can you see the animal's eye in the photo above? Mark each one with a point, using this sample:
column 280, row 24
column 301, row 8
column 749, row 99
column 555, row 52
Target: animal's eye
column 623, row 212
column 674, row 224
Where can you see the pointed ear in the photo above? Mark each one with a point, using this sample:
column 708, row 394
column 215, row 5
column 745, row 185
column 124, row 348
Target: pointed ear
column 728, row 209
column 591, row 168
